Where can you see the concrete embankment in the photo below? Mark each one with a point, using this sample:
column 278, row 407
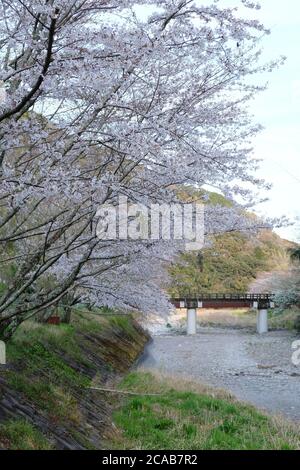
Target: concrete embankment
column 45, row 395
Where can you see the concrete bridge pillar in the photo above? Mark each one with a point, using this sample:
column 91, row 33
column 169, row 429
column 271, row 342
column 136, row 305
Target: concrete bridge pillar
column 191, row 321
column 262, row 321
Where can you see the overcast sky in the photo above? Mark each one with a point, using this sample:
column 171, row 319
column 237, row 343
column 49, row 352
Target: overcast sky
column 277, row 110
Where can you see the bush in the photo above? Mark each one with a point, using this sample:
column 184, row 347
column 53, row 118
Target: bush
column 288, row 292
column 297, row 323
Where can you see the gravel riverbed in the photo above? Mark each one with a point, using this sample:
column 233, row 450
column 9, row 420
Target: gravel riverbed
column 256, row 369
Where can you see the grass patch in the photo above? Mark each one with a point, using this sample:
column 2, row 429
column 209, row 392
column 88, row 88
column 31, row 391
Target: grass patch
column 19, row 434
column 123, row 322
column 51, row 367
column 47, row 362
column 56, row 400
column 58, row 338
column 187, row 416
column 285, row 319
column 39, row 358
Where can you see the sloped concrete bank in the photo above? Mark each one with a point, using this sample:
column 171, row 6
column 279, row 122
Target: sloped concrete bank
column 45, row 395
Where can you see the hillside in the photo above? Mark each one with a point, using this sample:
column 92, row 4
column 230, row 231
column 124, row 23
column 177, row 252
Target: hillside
column 231, row 262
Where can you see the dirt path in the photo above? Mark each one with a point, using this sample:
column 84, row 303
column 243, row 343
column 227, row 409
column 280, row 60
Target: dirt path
column 257, row 369
column 269, row 281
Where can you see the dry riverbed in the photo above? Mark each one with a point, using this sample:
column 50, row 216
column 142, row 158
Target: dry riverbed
column 257, row 369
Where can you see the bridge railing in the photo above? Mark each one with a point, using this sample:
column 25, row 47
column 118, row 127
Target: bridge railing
column 217, row 296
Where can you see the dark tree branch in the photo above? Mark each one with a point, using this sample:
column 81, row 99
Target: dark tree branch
column 41, row 77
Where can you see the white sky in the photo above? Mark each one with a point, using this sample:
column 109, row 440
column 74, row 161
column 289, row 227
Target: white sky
column 277, row 110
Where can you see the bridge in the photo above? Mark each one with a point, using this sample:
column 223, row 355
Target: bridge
column 191, row 302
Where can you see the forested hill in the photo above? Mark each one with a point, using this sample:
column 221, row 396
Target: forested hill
column 231, row 262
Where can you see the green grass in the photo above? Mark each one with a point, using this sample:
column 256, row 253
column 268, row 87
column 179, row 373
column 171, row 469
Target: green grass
column 51, row 367
column 122, row 322
column 19, row 434
column 285, row 319
column 38, row 358
column 54, row 399
column 186, row 416
column 46, row 360
column 60, row 338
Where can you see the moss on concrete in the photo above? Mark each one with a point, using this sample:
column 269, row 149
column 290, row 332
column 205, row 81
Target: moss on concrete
column 45, row 387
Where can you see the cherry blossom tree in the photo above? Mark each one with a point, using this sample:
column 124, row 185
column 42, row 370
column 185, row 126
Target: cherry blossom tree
column 98, row 100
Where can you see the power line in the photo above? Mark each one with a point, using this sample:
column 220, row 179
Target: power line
column 285, row 170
